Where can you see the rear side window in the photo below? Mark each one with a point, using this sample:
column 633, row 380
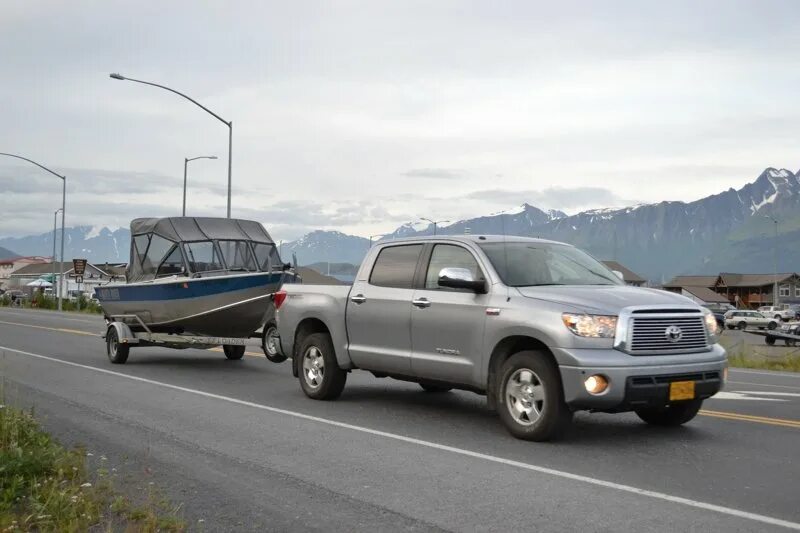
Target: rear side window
column 395, row 266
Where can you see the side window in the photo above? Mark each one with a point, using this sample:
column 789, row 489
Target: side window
column 140, row 242
column 158, row 249
column 173, row 264
column 237, row 255
column 450, row 256
column 395, row 266
column 203, row 257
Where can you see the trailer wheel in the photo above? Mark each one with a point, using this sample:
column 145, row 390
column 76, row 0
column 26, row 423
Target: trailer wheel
column 117, row 351
column 791, row 342
column 269, row 344
column 769, row 340
column 233, row 352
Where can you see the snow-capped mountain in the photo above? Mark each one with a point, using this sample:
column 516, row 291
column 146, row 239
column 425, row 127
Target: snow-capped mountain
column 728, row 231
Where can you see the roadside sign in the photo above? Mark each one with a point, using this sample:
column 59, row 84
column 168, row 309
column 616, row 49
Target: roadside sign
column 79, row 266
column 78, row 279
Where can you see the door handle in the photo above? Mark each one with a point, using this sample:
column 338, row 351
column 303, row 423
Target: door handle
column 421, row 303
column 358, row 299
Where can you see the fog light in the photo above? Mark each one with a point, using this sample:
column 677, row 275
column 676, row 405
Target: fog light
column 596, row 384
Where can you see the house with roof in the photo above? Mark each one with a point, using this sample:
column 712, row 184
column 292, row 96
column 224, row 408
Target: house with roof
column 9, row 266
column 92, row 277
column 742, row 290
column 628, row 276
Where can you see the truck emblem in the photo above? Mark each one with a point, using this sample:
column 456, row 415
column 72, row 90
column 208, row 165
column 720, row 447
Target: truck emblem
column 673, row 333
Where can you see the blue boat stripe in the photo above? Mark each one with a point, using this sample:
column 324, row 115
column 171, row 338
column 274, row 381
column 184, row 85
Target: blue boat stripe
column 193, row 289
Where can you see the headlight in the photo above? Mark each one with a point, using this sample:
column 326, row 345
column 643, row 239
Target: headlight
column 711, row 324
column 591, row 325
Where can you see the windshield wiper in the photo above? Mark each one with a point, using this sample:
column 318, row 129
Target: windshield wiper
column 540, row 285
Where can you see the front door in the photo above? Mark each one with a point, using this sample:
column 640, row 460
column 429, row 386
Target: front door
column 447, row 325
column 379, row 312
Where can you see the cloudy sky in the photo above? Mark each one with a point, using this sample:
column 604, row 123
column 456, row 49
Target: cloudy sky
column 360, row 116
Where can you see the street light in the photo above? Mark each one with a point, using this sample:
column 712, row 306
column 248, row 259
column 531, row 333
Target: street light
column 204, row 108
column 55, row 222
column 63, row 210
column 434, row 222
column 185, row 164
column 774, row 261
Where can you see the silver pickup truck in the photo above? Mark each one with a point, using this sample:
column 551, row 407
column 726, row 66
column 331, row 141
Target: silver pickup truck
column 539, row 327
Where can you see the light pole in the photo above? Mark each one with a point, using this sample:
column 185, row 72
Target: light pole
column 228, row 123
column 774, row 261
column 434, row 222
column 185, row 164
column 55, row 223
column 63, row 211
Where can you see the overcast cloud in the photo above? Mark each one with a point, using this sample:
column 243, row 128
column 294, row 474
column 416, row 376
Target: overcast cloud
column 360, row 116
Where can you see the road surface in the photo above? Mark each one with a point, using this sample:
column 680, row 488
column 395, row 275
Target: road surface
column 240, row 446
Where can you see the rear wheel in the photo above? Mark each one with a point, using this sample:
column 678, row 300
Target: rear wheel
column 772, row 325
column 270, row 343
column 429, row 387
column 742, row 325
column 117, row 351
column 672, row 415
column 319, row 372
column 530, row 397
column 233, row 352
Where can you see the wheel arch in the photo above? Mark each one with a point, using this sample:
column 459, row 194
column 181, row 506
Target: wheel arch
column 504, row 349
column 307, row 326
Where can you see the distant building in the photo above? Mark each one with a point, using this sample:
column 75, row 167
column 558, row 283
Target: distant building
column 628, row 276
column 92, row 277
column 9, row 266
column 745, row 291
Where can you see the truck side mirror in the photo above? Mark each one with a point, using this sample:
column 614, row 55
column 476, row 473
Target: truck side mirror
column 460, row 278
column 619, row 274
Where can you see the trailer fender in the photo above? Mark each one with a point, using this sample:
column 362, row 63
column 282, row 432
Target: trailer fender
column 124, row 333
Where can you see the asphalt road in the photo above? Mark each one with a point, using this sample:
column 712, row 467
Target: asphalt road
column 243, row 449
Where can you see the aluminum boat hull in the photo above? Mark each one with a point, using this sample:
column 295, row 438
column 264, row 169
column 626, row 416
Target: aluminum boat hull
column 233, row 305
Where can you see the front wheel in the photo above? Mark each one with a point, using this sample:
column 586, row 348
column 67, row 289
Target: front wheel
column 672, row 415
column 742, row 325
column 319, row 372
column 269, row 343
column 117, row 351
column 530, row 397
column 233, row 352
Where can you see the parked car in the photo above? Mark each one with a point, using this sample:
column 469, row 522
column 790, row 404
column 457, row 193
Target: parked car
column 780, row 312
column 795, row 308
column 719, row 310
column 539, row 327
column 745, row 319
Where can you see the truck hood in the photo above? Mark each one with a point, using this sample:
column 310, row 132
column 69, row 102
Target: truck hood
column 603, row 299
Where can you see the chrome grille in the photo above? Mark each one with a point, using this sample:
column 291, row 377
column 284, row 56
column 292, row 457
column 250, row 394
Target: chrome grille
column 648, row 334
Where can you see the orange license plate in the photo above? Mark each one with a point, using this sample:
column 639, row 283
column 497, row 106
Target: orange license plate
column 681, row 390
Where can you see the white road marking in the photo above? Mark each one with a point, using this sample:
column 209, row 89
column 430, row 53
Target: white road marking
column 770, row 373
column 763, row 385
column 736, row 395
column 770, row 393
column 443, row 447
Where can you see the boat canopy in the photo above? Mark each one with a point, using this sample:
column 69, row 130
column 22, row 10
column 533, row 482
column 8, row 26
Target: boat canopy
column 195, row 246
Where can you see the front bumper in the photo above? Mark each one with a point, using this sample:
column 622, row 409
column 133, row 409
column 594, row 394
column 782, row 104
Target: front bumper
column 643, row 382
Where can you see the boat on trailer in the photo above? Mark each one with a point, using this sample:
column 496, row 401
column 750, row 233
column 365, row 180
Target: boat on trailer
column 195, row 281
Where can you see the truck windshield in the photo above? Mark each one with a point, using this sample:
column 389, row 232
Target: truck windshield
column 526, row 264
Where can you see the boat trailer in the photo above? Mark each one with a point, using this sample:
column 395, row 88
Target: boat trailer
column 120, row 338
column 789, row 334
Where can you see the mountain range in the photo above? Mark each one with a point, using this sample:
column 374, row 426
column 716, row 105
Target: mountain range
column 730, row 231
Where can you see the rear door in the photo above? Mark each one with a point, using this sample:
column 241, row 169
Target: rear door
column 447, row 324
column 379, row 311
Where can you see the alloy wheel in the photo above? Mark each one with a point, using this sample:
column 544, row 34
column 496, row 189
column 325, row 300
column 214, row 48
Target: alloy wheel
column 525, row 396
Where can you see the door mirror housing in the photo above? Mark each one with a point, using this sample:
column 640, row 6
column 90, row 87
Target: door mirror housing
column 460, row 278
column 619, row 274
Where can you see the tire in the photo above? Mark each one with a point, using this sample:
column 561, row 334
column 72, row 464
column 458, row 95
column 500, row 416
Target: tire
column 791, row 342
column 234, row 353
column 318, row 371
column 730, row 327
column 772, row 325
column 742, row 325
column 530, row 397
column 435, row 389
column 673, row 415
column 267, row 343
column 117, row 352
column 769, row 340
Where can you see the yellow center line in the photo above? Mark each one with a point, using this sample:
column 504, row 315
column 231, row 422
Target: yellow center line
column 62, row 330
column 716, row 414
column 752, row 418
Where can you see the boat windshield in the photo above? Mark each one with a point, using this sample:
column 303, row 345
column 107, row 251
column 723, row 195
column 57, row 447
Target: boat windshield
column 267, row 257
column 526, row 264
column 203, row 256
column 237, row 256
